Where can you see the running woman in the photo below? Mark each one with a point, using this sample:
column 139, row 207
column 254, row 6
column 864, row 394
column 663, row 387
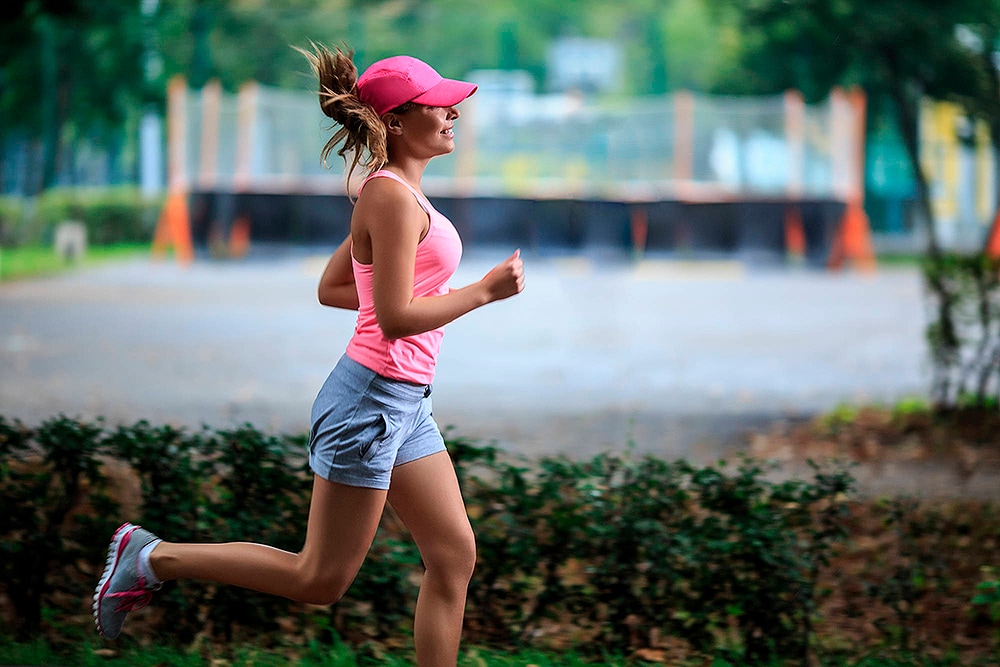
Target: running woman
column 373, row 438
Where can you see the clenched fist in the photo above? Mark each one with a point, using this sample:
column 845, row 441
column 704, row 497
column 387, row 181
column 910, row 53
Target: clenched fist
column 505, row 279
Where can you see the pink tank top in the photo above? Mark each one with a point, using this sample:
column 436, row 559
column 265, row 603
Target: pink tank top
column 412, row 358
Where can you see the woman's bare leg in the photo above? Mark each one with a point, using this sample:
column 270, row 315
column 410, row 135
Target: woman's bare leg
column 426, row 497
column 342, row 523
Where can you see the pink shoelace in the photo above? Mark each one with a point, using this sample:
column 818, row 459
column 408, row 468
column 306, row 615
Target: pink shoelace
column 134, row 598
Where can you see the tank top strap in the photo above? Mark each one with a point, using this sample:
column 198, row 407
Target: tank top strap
column 385, row 173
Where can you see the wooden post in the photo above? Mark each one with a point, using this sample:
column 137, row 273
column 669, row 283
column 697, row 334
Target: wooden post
column 683, row 135
column 173, row 229
column 208, row 162
column 795, row 131
column 795, row 135
column 853, row 240
column 246, row 122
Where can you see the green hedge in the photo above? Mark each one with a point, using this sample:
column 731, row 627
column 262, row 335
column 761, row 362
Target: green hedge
column 617, row 552
column 13, row 220
column 111, row 215
column 963, row 293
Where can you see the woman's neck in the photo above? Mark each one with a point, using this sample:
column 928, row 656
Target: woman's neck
column 410, row 171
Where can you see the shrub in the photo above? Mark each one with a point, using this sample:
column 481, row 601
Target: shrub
column 54, row 497
column 631, row 549
column 987, row 598
column 964, row 295
column 111, row 215
column 12, row 217
column 616, row 552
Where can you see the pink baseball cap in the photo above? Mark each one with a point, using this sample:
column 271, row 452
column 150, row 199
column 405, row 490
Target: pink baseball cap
column 390, row 82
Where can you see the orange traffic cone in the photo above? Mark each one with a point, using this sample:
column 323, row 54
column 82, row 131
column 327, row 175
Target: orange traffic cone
column 239, row 237
column 853, row 242
column 795, row 235
column 173, row 229
column 640, row 230
column 993, row 239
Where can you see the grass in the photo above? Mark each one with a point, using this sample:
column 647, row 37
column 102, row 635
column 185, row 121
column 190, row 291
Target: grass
column 36, row 261
column 93, row 653
column 900, row 259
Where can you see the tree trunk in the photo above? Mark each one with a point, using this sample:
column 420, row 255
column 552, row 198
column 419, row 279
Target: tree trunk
column 47, row 30
column 908, row 112
column 993, row 84
column 942, row 331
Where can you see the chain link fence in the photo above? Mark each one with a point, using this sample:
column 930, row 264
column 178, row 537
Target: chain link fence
column 675, row 147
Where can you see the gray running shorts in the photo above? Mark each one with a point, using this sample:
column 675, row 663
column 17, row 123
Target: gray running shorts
column 365, row 424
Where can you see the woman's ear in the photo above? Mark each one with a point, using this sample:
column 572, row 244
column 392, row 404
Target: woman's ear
column 392, row 123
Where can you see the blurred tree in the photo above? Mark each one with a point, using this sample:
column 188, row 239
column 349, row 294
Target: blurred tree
column 983, row 38
column 695, row 44
column 250, row 40
column 69, row 70
column 900, row 52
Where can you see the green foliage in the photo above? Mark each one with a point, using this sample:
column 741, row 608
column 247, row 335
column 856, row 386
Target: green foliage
column 111, row 215
column 53, row 495
column 917, row 568
column 623, row 549
column 964, row 334
column 989, row 592
column 632, row 547
column 841, row 416
column 70, row 69
column 172, row 472
column 813, row 45
column 258, row 493
column 911, row 406
column 80, row 74
column 899, row 52
column 35, row 261
column 330, row 654
column 11, row 219
column 987, row 597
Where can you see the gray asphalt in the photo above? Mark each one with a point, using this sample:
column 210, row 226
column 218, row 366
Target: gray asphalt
column 676, row 358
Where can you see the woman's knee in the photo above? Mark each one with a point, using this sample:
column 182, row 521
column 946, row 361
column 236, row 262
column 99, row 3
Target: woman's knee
column 455, row 560
column 322, row 591
column 323, row 586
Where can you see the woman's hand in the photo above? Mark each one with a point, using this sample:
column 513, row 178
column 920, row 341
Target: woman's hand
column 505, row 279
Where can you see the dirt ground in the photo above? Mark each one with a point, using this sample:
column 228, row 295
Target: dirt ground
column 949, row 456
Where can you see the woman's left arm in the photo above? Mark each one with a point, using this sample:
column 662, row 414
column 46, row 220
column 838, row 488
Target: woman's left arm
column 336, row 286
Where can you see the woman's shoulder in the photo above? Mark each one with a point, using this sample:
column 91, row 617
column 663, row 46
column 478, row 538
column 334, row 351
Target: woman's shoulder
column 383, row 184
column 379, row 178
column 384, row 201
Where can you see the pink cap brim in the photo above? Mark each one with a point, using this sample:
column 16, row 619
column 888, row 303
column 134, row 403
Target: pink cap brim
column 446, row 93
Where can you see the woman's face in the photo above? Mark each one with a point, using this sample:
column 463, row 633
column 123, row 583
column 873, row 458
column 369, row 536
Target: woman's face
column 425, row 132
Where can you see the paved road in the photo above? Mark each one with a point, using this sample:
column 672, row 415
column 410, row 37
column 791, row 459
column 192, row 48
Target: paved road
column 678, row 358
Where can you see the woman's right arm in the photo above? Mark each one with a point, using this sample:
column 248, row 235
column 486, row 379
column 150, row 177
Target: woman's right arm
column 394, row 222
column 336, row 286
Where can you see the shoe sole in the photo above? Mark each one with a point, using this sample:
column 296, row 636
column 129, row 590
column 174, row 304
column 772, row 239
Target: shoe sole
column 119, row 541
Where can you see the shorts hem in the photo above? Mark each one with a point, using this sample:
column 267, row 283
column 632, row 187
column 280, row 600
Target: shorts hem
column 352, row 480
column 422, row 455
